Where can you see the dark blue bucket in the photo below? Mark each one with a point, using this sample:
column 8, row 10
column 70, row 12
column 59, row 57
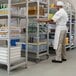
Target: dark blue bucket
column 14, row 41
column 23, row 46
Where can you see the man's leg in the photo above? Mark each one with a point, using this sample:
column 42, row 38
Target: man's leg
column 64, row 56
column 59, row 52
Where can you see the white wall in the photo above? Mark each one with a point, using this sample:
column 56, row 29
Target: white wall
column 73, row 2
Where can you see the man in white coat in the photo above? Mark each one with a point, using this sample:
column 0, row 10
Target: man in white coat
column 60, row 19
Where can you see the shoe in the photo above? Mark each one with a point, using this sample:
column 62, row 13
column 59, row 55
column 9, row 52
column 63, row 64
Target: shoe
column 56, row 61
column 64, row 59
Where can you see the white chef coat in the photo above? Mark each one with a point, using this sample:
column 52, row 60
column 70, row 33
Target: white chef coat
column 61, row 19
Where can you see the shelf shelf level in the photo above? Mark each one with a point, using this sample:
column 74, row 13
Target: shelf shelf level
column 40, row 43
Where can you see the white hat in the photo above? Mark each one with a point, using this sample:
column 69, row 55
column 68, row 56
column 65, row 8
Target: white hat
column 60, row 3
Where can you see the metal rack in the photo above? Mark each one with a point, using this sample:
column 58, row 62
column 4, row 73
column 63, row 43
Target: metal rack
column 10, row 55
column 38, row 42
column 71, row 25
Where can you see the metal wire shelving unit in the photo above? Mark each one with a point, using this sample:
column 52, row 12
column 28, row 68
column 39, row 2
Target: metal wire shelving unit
column 38, row 42
column 11, row 55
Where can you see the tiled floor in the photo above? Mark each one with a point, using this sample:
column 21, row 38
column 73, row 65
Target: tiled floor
column 47, row 68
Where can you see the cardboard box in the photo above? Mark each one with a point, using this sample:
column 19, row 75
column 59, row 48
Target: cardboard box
column 33, row 10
